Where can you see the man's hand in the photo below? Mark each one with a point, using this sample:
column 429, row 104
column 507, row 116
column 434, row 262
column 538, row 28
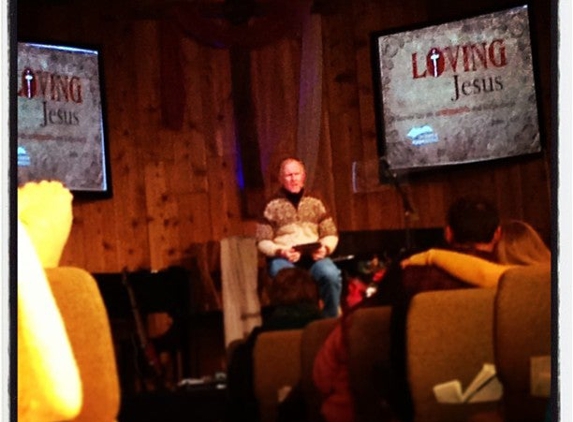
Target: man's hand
column 320, row 253
column 290, row 254
column 421, row 258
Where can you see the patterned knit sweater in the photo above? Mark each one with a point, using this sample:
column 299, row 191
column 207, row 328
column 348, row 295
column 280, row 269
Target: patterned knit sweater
column 286, row 223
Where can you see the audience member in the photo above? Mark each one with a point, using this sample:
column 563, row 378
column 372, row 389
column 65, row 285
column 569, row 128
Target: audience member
column 294, row 217
column 473, row 229
column 294, row 300
column 519, row 245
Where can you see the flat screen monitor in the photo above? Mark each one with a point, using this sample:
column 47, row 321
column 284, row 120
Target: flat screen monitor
column 455, row 93
column 61, row 117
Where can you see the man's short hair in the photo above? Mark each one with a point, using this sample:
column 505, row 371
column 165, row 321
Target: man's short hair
column 473, row 220
column 288, row 160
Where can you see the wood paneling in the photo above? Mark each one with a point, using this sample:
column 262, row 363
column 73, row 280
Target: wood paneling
column 177, row 188
column 275, row 95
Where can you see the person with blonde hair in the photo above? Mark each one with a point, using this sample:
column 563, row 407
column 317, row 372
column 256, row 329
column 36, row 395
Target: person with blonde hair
column 519, row 244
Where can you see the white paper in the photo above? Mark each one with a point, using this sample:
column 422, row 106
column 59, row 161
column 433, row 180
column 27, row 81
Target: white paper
column 483, row 388
column 448, row 392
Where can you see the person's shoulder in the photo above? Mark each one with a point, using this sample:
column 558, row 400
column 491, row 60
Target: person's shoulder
column 313, row 194
column 272, row 200
column 276, row 195
column 315, row 198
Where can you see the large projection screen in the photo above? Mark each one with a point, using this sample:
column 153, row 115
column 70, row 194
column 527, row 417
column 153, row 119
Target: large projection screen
column 61, row 132
column 457, row 92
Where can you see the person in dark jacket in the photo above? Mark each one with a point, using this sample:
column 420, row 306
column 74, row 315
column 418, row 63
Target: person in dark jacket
column 295, row 302
column 473, row 227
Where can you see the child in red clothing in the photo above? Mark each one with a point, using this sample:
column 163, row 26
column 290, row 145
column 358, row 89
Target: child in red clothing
column 330, row 375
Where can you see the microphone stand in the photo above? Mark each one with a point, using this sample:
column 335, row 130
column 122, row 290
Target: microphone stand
column 388, row 174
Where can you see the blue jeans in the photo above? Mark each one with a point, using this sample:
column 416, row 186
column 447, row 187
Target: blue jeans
column 325, row 273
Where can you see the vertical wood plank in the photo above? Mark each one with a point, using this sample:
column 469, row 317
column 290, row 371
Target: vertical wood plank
column 163, row 217
column 127, row 172
column 187, row 174
column 232, row 200
column 74, row 250
column 275, row 95
column 195, row 219
column 536, row 188
column 190, row 149
column 146, row 80
column 340, row 80
column 220, row 223
column 368, row 17
column 324, row 178
column 217, row 102
column 173, row 88
column 222, row 91
column 429, row 204
column 99, row 233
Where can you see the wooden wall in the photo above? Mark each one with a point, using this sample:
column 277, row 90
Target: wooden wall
column 176, row 188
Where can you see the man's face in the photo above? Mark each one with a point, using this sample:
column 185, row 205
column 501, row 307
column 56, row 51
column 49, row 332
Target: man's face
column 293, row 176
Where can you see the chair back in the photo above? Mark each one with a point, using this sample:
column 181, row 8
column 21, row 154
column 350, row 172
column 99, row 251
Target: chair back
column 368, row 360
column 313, row 336
column 87, row 324
column 276, row 364
column 522, row 334
column 449, row 337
